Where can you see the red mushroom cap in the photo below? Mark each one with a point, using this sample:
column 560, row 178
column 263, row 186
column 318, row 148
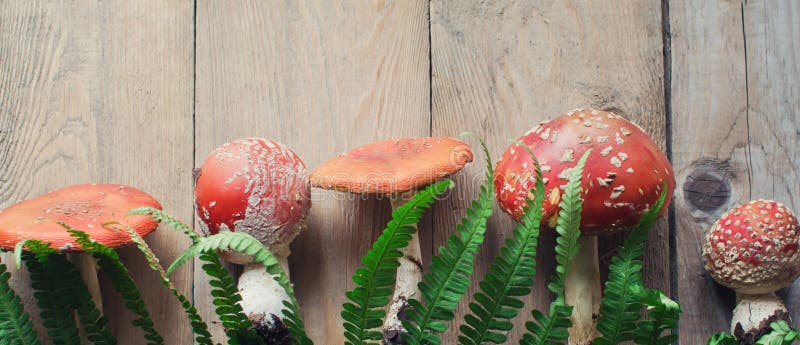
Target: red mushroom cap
column 753, row 248
column 623, row 176
column 393, row 166
column 256, row 186
column 85, row 207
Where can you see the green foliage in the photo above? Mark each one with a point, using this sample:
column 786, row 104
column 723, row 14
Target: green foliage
column 166, row 218
column 199, row 327
column 15, row 325
column 61, row 294
column 722, row 339
column 246, row 244
column 225, row 294
column 450, row 271
column 509, row 278
column 365, row 309
column 552, row 329
column 663, row 317
column 548, row 329
column 782, row 334
column 622, row 298
column 108, row 261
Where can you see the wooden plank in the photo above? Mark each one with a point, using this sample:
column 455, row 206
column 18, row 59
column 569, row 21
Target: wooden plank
column 735, row 119
column 772, row 41
column 101, row 92
column 321, row 77
column 501, row 67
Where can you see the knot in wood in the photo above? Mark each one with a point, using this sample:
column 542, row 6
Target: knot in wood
column 708, row 186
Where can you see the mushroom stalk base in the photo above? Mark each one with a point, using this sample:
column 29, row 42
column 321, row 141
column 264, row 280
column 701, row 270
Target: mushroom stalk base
column 753, row 315
column 582, row 292
column 409, row 274
column 262, row 301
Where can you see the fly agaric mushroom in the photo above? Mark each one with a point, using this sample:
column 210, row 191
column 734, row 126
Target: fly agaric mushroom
column 623, row 178
column 394, row 168
column 753, row 249
column 86, row 207
column 258, row 187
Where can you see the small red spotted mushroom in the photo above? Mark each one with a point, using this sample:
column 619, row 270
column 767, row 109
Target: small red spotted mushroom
column 753, row 249
column 395, row 168
column 259, row 187
column 623, row 177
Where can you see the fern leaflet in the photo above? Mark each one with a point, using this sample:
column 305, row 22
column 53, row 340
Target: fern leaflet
column 199, row 327
column 450, row 272
column 509, row 277
column 782, row 334
column 109, row 263
column 722, row 339
column 60, row 291
column 15, row 325
column 663, row 313
column 621, row 304
column 552, row 329
column 364, row 311
column 248, row 245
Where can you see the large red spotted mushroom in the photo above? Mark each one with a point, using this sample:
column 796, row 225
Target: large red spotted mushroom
column 85, row 207
column 395, row 168
column 753, row 249
column 259, row 187
column 623, row 177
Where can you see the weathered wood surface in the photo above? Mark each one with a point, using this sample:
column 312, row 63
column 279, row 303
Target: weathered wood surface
column 500, row 68
column 102, row 92
column 139, row 92
column 322, row 78
column 735, row 119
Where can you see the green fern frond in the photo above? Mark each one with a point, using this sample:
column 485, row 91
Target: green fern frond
column 199, row 327
column 57, row 316
column 553, row 328
column 59, row 290
column 622, row 298
column 782, row 334
column 509, row 278
column 112, row 267
column 722, row 339
column 15, row 325
column 550, row 329
column 568, row 228
column 166, row 218
column 248, row 245
column 663, row 317
column 450, row 271
column 364, row 311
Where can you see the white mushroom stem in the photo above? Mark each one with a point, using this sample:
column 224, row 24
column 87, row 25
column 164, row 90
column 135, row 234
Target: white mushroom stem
column 409, row 274
column 582, row 292
column 754, row 313
column 262, row 296
column 87, row 268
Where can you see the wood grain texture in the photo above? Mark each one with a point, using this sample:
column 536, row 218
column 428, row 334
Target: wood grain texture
column 735, row 118
column 500, row 67
column 321, row 77
column 101, row 92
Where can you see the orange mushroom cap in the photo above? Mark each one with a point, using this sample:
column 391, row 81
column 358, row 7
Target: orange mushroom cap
column 85, row 207
column 393, row 166
column 753, row 248
column 622, row 179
